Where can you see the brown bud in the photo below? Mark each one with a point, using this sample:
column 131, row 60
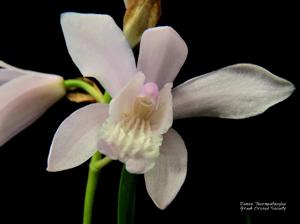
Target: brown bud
column 139, row 16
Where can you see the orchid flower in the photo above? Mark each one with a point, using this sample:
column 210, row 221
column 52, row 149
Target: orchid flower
column 25, row 96
column 135, row 127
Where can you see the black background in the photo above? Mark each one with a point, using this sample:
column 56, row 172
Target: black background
column 229, row 160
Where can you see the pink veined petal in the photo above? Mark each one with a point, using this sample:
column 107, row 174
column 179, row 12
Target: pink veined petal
column 7, row 75
column 123, row 102
column 237, row 91
column 162, row 118
column 76, row 139
column 25, row 99
column 162, row 53
column 164, row 181
column 99, row 49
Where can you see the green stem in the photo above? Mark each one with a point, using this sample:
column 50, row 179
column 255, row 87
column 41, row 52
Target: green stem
column 107, row 97
column 102, row 163
column 95, row 167
column 77, row 83
column 91, row 186
column 126, row 197
column 96, row 164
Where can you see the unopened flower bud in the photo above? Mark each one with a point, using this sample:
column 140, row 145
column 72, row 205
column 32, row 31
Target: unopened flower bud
column 139, row 16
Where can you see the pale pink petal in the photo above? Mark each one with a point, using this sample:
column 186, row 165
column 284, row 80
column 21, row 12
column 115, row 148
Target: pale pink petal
column 25, row 99
column 123, row 102
column 237, row 91
column 21, row 71
column 99, row 49
column 162, row 118
column 162, row 53
column 164, row 181
column 139, row 166
column 76, row 139
column 8, row 75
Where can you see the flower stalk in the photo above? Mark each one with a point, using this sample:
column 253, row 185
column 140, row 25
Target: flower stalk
column 97, row 162
column 92, row 183
column 77, row 83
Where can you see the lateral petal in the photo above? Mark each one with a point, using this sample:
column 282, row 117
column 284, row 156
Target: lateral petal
column 76, row 139
column 237, row 91
column 162, row 53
